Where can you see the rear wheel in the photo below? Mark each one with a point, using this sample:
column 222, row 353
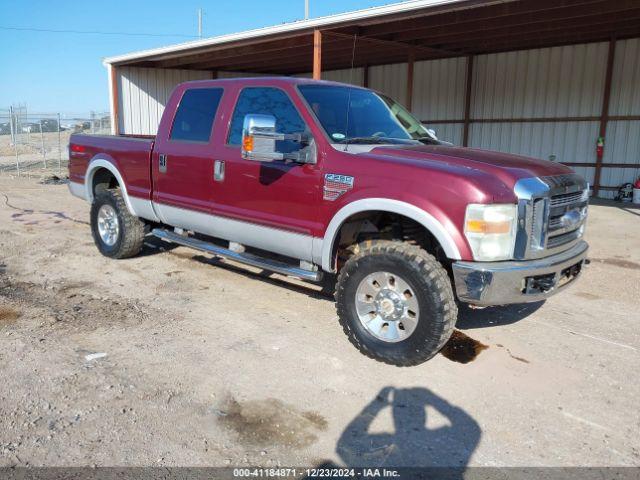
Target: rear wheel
column 116, row 232
column 395, row 303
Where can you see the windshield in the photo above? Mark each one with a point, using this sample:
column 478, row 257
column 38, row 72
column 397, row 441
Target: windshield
column 370, row 117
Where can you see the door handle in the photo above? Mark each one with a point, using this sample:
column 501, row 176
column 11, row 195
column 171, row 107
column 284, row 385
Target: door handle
column 218, row 170
column 162, row 163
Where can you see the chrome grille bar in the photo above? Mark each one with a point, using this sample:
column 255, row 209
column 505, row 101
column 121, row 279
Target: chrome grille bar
column 566, row 199
column 551, row 214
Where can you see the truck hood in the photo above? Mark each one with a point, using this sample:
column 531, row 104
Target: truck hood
column 507, row 167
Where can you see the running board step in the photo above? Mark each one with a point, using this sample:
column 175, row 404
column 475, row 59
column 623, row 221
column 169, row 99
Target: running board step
column 241, row 257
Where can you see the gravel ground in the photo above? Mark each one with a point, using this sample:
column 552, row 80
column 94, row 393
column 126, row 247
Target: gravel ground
column 173, row 359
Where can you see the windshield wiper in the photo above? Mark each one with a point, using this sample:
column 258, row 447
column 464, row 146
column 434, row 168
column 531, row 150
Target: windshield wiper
column 366, row 140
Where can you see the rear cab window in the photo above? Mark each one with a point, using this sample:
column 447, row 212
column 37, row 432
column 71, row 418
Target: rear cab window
column 196, row 114
column 267, row 101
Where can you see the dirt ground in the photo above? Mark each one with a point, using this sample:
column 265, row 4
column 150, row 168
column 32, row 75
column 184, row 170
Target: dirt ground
column 172, row 358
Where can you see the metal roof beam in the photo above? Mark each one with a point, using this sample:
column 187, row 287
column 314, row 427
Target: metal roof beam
column 304, row 52
column 500, row 12
column 612, row 21
column 391, row 43
column 532, row 22
column 561, row 36
column 549, row 42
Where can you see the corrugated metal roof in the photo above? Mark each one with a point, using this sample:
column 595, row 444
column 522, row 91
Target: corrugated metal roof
column 292, row 27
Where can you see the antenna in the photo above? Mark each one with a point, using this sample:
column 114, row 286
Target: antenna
column 199, row 23
column 353, row 58
column 306, row 9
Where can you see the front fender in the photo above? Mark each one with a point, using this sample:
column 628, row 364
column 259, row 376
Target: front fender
column 324, row 256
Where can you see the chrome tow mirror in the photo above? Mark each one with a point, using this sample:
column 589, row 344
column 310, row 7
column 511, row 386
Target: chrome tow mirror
column 259, row 138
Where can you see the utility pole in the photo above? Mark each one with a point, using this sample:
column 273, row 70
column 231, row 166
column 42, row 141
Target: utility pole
column 199, row 23
column 306, row 9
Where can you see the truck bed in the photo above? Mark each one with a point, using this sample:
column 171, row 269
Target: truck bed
column 130, row 154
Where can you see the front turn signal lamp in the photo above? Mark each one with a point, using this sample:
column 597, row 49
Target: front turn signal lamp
column 491, row 231
column 247, row 143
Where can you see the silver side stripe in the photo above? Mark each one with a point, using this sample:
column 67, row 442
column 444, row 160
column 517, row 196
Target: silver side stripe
column 284, row 242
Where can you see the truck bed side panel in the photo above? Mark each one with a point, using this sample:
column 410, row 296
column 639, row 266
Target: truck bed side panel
column 131, row 156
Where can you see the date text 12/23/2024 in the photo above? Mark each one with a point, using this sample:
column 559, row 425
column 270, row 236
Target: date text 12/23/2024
column 318, row 472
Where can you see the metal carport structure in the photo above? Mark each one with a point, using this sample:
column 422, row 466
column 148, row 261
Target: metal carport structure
column 544, row 78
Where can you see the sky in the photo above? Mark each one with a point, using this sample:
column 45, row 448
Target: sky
column 63, row 72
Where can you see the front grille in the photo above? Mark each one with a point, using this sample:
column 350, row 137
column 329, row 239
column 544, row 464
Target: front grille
column 567, row 212
column 552, row 212
column 565, row 199
column 555, row 223
column 561, row 239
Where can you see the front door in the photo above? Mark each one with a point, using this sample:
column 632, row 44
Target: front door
column 280, row 196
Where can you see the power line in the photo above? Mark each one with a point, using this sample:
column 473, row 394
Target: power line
column 89, row 32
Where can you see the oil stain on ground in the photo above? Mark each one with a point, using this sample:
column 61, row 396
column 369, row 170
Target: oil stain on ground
column 8, row 316
column 271, row 422
column 461, row 348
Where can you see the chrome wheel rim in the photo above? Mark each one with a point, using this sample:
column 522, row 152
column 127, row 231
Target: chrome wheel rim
column 108, row 225
column 387, row 306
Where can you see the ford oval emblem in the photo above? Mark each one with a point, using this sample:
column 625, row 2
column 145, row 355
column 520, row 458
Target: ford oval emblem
column 571, row 218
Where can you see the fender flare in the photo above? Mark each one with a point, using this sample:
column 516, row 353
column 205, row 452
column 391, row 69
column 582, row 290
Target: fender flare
column 96, row 163
column 386, row 205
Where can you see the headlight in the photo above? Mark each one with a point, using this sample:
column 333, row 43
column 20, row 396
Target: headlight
column 491, row 231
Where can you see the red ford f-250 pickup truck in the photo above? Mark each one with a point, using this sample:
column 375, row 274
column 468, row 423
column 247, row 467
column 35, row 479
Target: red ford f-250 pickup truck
column 305, row 177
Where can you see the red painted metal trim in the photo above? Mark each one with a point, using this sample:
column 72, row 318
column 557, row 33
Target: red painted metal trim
column 467, row 102
column 604, row 118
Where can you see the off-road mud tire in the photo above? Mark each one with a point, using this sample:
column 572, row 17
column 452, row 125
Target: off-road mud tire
column 132, row 229
column 428, row 278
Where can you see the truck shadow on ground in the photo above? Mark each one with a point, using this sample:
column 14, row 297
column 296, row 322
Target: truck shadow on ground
column 469, row 319
column 427, row 431
column 154, row 246
column 310, row 289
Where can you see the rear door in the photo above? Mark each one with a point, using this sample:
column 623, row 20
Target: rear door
column 182, row 161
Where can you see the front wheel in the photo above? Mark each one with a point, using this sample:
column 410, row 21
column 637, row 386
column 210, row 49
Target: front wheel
column 395, row 303
column 116, row 232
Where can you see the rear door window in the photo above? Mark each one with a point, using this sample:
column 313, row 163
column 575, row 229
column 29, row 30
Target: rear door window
column 267, row 101
column 195, row 115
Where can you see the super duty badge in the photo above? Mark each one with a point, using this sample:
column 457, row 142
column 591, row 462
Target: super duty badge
column 336, row 185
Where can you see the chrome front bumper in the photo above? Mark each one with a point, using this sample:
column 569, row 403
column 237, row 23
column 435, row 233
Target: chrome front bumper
column 501, row 283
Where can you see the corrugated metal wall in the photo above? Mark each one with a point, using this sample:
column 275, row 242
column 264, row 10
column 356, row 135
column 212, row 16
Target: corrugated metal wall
column 549, row 82
column 221, row 74
column 344, row 75
column 390, row 79
column 438, row 94
column 623, row 136
column 554, row 82
column 143, row 94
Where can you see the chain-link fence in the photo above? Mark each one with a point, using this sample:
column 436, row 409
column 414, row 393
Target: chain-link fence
column 37, row 144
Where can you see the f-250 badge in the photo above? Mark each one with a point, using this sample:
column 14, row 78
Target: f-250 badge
column 336, row 185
